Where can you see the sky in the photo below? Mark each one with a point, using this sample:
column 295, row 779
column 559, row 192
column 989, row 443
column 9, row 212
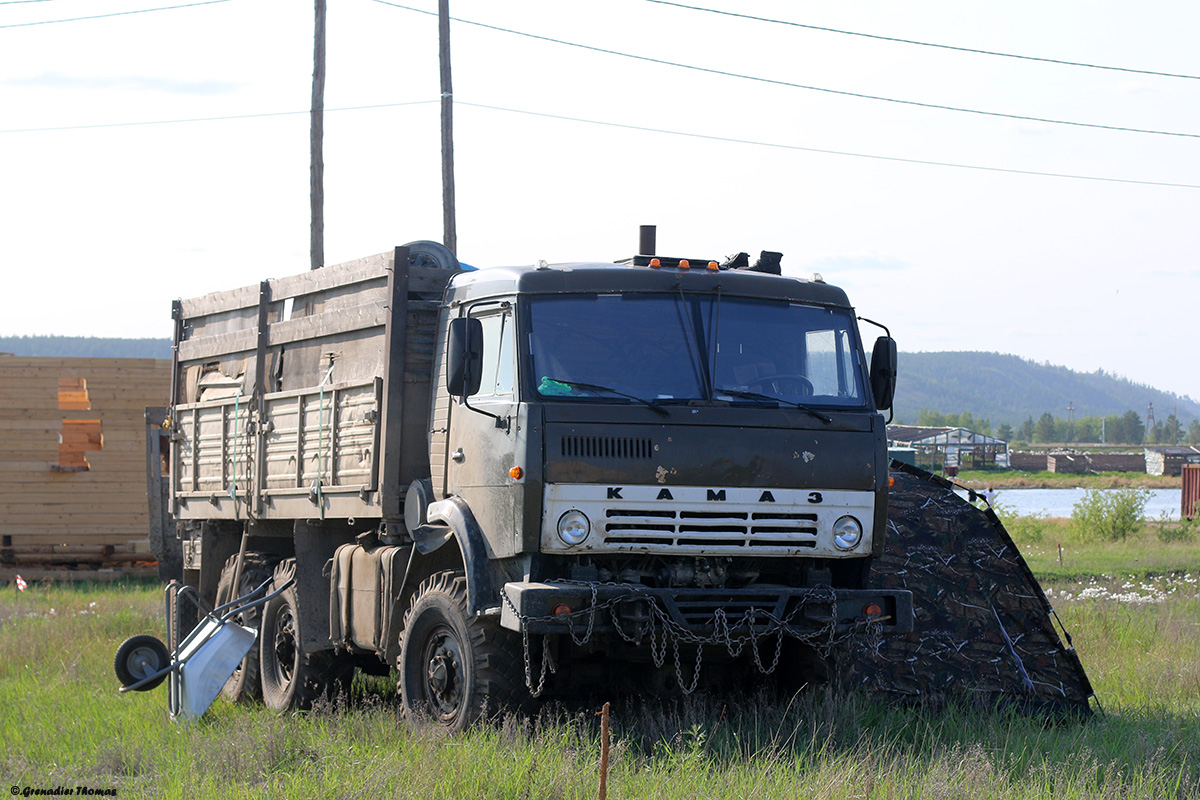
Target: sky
column 1004, row 231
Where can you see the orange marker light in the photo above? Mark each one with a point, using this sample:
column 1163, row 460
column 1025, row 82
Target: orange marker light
column 561, row 608
column 683, row 264
column 655, row 263
column 872, row 610
column 714, row 266
column 891, row 481
column 516, row 473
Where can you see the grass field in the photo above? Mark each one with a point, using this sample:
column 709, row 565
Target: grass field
column 1015, row 479
column 1137, row 630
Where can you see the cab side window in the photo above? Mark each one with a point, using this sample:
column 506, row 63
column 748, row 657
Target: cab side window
column 499, row 365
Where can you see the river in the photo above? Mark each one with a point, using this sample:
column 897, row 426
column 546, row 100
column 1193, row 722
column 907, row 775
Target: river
column 1059, row 502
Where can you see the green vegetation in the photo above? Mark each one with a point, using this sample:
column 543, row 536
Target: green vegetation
column 1109, row 515
column 1016, row 479
column 64, row 724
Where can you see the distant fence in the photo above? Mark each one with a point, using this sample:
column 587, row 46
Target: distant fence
column 1077, row 462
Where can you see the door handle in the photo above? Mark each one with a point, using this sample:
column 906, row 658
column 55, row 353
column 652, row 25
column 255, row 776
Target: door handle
column 457, row 456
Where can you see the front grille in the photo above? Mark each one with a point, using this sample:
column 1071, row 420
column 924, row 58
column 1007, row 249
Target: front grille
column 700, row 611
column 625, row 527
column 624, row 447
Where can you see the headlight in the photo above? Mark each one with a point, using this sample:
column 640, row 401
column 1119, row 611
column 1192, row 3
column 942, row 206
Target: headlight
column 847, row 533
column 574, row 527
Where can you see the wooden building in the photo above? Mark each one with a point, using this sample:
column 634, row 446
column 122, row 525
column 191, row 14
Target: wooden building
column 73, row 465
column 1170, row 460
column 1068, row 462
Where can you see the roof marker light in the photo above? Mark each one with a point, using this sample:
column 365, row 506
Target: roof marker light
column 655, row 263
column 714, row 266
column 683, row 264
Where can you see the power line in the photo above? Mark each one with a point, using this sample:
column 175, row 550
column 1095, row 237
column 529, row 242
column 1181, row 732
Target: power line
column 927, row 44
column 643, row 128
column 779, row 146
column 777, row 82
column 115, row 14
column 209, row 119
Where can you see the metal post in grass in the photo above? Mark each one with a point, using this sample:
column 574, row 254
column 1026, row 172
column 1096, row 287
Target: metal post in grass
column 603, row 791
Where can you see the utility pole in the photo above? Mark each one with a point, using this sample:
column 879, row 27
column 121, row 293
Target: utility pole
column 1070, row 420
column 449, row 231
column 316, row 170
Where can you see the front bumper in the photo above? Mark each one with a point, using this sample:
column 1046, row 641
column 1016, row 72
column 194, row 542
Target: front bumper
column 531, row 606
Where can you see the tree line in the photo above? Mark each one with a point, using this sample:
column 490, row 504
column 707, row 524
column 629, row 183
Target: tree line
column 84, row 347
column 1127, row 428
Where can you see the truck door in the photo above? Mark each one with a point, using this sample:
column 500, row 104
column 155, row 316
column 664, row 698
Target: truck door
column 482, row 437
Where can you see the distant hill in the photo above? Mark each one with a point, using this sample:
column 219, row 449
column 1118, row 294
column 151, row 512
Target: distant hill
column 1002, row 388
column 992, row 386
column 84, row 347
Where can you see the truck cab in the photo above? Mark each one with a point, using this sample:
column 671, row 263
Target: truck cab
column 659, row 449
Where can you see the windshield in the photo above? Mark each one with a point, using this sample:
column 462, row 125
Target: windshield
column 667, row 348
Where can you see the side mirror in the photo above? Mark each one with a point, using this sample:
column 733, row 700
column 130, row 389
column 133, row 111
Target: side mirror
column 883, row 372
column 464, row 356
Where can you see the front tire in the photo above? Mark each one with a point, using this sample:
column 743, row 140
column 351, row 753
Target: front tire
column 456, row 668
column 290, row 678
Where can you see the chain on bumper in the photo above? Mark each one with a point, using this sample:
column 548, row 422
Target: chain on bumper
column 662, row 633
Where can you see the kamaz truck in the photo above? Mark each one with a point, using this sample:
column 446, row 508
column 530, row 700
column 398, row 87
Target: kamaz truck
column 521, row 481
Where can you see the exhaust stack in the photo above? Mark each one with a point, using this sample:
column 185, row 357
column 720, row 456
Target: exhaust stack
column 646, row 240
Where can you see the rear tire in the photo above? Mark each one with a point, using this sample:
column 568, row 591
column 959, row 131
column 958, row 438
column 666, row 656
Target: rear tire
column 457, row 668
column 244, row 685
column 290, row 678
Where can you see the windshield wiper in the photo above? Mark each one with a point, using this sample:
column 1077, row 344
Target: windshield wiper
column 595, row 387
column 768, row 398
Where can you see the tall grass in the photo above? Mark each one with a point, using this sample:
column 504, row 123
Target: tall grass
column 62, row 723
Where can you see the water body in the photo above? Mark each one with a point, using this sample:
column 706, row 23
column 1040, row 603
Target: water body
column 1059, row 502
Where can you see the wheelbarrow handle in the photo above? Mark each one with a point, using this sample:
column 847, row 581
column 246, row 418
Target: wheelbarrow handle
column 164, row 671
column 260, row 601
column 216, row 612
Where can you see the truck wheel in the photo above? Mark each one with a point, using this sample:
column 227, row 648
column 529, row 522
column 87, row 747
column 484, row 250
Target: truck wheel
column 456, row 668
column 243, row 685
column 138, row 658
column 290, row 679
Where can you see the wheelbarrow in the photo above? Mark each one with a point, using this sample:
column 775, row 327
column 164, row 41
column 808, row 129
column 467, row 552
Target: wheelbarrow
column 199, row 665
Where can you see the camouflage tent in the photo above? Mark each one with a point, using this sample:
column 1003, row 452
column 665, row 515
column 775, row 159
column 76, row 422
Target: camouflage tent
column 983, row 627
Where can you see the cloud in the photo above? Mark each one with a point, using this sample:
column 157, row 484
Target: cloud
column 134, row 83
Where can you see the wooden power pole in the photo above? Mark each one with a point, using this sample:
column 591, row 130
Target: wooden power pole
column 316, row 171
column 450, row 233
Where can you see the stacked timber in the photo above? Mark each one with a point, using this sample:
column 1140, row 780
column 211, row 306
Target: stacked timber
column 73, row 464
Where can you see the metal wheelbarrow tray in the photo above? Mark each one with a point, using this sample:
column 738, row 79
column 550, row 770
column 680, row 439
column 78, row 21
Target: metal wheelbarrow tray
column 199, row 665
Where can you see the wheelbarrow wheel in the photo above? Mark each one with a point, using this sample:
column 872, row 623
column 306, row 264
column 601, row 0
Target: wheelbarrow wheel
column 243, row 685
column 138, row 658
column 292, row 679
